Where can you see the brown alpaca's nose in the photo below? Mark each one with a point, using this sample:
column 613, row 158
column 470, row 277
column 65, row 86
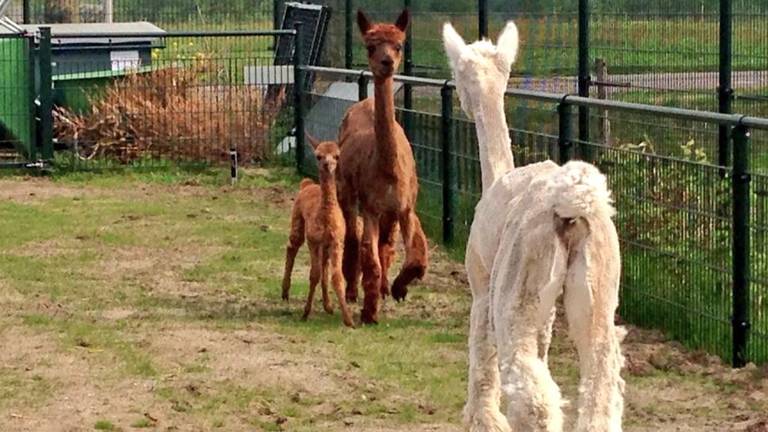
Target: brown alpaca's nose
column 388, row 62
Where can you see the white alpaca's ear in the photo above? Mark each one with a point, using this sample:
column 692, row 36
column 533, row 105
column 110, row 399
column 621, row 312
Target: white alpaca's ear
column 508, row 44
column 454, row 44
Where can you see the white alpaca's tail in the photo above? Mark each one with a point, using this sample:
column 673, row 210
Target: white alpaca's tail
column 579, row 190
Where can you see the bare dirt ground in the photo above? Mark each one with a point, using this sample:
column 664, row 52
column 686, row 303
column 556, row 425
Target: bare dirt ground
column 159, row 315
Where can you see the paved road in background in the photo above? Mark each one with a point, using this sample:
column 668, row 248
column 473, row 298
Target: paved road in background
column 678, row 81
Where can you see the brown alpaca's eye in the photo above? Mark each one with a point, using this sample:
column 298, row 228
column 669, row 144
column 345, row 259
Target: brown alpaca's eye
column 371, row 49
column 398, row 47
column 319, row 158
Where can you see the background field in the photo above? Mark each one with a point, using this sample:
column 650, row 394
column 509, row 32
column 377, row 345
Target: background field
column 150, row 300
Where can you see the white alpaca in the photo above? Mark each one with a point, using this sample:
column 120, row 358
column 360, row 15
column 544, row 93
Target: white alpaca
column 539, row 231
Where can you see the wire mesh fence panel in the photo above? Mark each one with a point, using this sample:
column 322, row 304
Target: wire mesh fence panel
column 168, row 14
column 17, row 133
column 427, row 152
column 180, row 99
column 758, row 343
column 664, row 53
column 673, row 219
column 750, row 58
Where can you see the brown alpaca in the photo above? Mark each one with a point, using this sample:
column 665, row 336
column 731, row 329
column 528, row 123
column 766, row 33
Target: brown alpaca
column 317, row 217
column 377, row 177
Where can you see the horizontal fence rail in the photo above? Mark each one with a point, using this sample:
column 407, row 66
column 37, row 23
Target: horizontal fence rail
column 679, row 113
column 686, row 224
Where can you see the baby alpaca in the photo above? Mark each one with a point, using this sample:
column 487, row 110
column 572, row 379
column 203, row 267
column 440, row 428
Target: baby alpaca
column 317, row 217
column 540, row 231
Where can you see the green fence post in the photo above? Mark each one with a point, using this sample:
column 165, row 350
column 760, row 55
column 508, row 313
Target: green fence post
column 298, row 95
column 408, row 88
column 348, row 34
column 482, row 18
column 446, row 168
column 362, row 87
column 725, row 89
column 584, row 79
column 565, row 134
column 741, row 269
column 46, row 94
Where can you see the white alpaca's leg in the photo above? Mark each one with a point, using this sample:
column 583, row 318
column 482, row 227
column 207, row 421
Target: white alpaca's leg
column 590, row 300
column 482, row 412
column 523, row 317
column 535, row 403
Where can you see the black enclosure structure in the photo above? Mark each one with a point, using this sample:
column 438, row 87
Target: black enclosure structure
column 110, row 48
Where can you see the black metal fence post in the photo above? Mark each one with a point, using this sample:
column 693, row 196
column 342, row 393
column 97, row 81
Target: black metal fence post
column 725, row 90
column 362, row 87
column 446, row 167
column 298, row 95
column 741, row 268
column 408, row 88
column 233, row 164
column 46, row 94
column 26, row 12
column 276, row 14
column 348, row 58
column 565, row 134
column 482, row 18
column 584, row 79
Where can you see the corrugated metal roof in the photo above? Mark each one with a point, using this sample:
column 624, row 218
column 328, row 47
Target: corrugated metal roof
column 122, row 32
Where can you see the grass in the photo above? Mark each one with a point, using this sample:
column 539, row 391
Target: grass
column 104, row 425
column 166, row 282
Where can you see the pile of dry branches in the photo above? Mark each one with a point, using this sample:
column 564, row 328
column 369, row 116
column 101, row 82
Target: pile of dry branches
column 171, row 113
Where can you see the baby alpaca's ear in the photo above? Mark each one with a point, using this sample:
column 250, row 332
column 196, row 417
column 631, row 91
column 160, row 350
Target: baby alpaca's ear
column 313, row 141
column 454, row 44
column 508, row 43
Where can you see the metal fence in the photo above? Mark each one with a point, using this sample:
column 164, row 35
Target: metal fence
column 16, row 99
column 200, row 15
column 677, row 53
column 183, row 97
column 691, row 230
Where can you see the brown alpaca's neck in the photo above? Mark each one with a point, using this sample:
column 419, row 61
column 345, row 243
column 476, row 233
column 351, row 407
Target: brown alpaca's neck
column 385, row 125
column 328, row 198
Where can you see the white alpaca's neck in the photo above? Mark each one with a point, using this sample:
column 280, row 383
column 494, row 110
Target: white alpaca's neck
column 493, row 138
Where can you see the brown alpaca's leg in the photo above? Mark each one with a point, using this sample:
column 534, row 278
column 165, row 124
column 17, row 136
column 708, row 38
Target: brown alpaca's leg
column 337, row 280
column 327, row 306
column 295, row 240
column 416, row 254
column 351, row 262
column 369, row 253
column 387, row 231
column 315, row 272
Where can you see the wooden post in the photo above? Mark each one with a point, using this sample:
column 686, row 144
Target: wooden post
column 109, row 11
column 601, row 70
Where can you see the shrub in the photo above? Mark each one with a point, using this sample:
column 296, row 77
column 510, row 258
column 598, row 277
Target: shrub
column 175, row 113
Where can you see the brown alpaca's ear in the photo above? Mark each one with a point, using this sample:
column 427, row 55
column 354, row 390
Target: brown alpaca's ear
column 312, row 141
column 363, row 22
column 403, row 20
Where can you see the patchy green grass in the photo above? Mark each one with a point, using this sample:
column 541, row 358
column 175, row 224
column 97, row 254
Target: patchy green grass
column 104, row 425
column 150, row 299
